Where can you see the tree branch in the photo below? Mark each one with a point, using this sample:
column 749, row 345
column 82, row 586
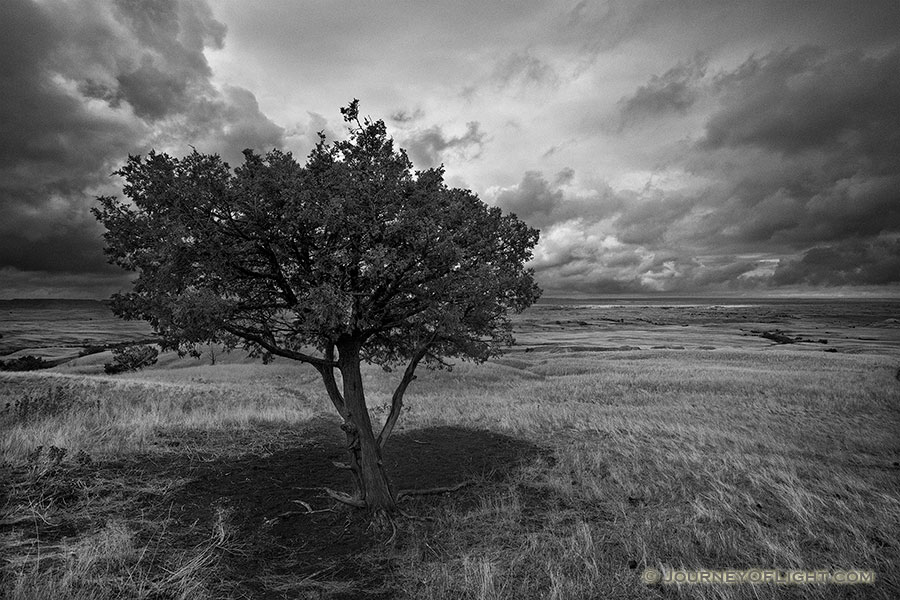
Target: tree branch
column 271, row 346
column 278, row 273
column 397, row 398
column 334, row 393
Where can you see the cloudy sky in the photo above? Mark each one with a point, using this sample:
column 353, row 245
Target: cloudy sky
column 714, row 147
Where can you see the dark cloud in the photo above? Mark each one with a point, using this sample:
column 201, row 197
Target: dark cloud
column 805, row 150
column 601, row 241
column 427, row 147
column 764, row 130
column 656, row 219
column 858, row 206
column 152, row 92
column 84, row 85
column 852, row 262
column 533, row 200
column 726, row 276
column 541, row 203
column 587, row 268
column 52, row 147
column 675, row 91
column 148, row 54
column 66, row 247
column 231, row 122
column 805, row 99
column 800, row 156
column 43, row 128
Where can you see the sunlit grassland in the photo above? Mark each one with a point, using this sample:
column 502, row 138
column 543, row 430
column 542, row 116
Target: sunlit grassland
column 668, row 459
column 105, row 415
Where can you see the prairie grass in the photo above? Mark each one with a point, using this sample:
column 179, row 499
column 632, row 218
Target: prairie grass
column 111, row 563
column 723, row 460
column 107, row 416
column 671, row 459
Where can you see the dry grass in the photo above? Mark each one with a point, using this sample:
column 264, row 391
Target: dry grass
column 685, row 460
column 111, row 564
column 109, row 416
column 667, row 459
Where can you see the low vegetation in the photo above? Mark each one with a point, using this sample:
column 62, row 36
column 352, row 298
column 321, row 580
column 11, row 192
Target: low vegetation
column 131, row 358
column 25, row 363
column 685, row 459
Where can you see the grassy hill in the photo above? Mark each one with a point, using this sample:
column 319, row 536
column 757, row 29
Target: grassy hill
column 584, row 468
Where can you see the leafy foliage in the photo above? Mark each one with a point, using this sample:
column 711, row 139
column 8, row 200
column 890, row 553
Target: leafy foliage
column 287, row 258
column 25, row 363
column 131, row 358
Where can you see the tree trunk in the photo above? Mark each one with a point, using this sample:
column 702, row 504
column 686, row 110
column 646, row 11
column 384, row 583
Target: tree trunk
column 376, row 490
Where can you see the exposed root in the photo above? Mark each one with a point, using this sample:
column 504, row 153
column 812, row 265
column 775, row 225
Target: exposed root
column 356, row 502
column 309, row 510
column 415, row 517
column 345, row 498
column 431, row 491
column 335, row 495
column 391, row 539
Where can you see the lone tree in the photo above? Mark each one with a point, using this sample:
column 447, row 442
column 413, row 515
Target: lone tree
column 353, row 257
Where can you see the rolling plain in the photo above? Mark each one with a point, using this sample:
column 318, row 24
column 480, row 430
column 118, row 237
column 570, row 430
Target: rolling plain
column 615, row 436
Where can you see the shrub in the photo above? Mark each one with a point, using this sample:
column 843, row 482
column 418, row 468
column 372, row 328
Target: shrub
column 131, row 358
column 25, row 363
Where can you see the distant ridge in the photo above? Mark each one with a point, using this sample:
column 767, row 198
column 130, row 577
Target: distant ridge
column 725, row 300
column 38, row 301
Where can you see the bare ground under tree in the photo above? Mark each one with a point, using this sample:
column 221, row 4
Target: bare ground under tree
column 255, row 480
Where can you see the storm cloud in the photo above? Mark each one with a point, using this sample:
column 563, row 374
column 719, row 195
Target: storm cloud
column 806, row 99
column 805, row 145
column 798, row 163
column 600, row 241
column 543, row 202
column 86, row 84
column 674, row 91
column 683, row 146
column 848, row 263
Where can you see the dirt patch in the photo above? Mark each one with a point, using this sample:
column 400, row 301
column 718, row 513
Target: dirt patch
column 195, row 481
column 255, row 489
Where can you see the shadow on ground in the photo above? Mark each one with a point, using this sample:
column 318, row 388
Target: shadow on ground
column 232, row 486
column 251, row 491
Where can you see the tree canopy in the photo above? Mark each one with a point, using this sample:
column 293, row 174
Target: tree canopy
column 353, row 256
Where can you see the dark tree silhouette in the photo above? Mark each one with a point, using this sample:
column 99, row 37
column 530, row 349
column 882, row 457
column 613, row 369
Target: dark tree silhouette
column 352, row 257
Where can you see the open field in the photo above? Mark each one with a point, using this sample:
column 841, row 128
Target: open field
column 57, row 329
column 709, row 447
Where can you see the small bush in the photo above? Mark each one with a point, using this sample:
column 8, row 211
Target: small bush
column 92, row 349
column 131, row 358
column 25, row 363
